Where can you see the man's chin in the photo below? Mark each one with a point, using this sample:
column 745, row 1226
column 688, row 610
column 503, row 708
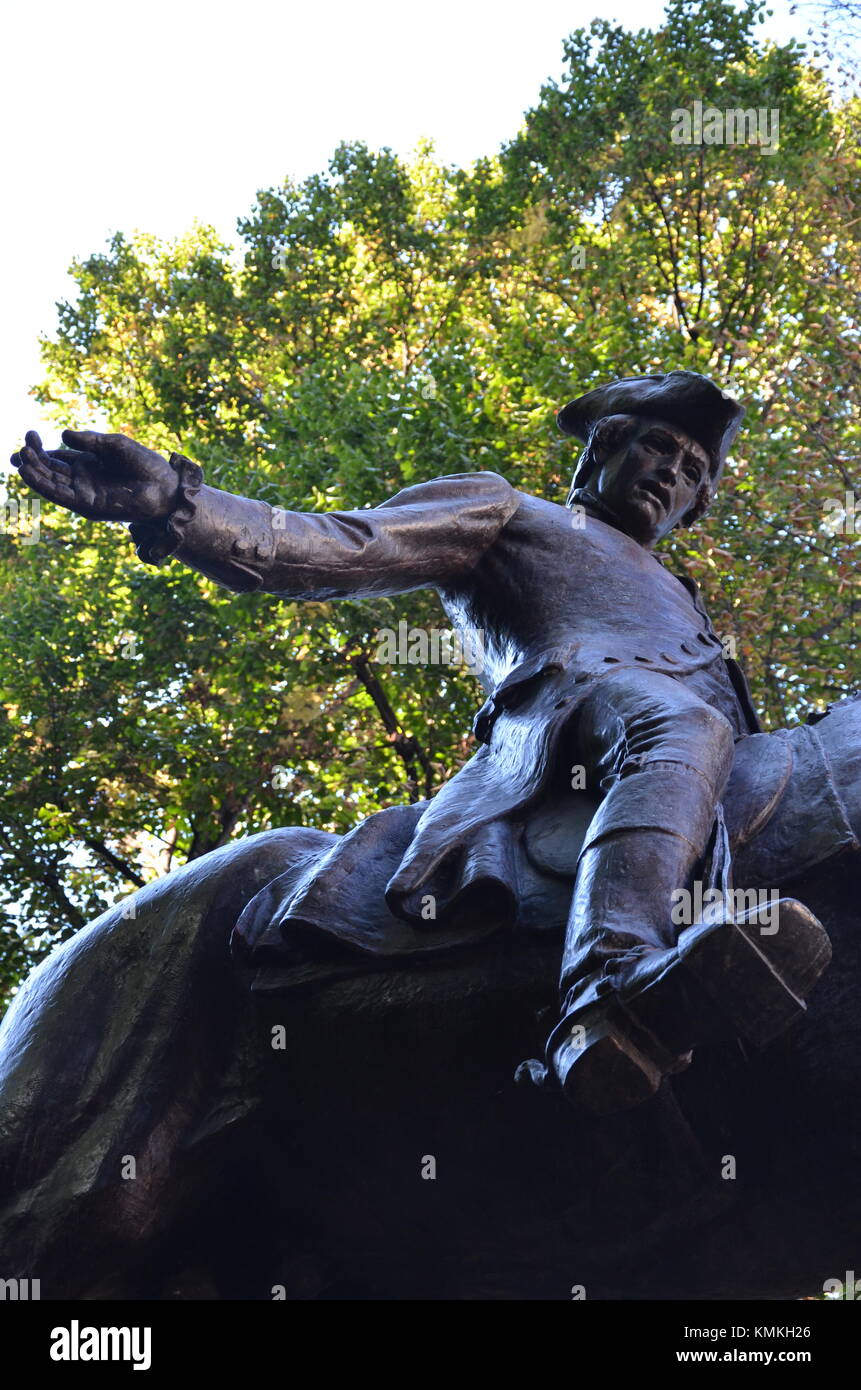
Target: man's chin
column 641, row 518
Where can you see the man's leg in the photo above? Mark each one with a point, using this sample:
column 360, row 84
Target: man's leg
column 840, row 736
column 818, row 815
column 663, row 758
column 634, row 1004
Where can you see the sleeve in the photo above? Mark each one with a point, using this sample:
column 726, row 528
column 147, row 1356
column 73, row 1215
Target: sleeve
column 426, row 536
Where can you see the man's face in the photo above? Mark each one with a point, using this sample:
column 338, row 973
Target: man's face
column 652, row 481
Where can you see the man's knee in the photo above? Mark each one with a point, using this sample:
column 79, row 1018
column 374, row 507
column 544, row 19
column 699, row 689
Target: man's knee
column 706, row 729
column 689, row 733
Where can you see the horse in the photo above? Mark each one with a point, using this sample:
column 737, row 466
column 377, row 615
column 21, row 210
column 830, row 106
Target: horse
column 177, row 1123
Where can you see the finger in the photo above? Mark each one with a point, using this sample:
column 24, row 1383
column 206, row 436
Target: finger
column 41, row 467
column 46, row 486
column 50, row 482
column 34, row 442
column 93, row 442
column 69, row 458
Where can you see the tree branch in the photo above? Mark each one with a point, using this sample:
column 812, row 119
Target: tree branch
column 98, row 847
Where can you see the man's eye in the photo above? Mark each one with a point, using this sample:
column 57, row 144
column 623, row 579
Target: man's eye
column 692, row 473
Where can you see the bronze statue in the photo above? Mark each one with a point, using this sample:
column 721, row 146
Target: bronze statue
column 596, row 657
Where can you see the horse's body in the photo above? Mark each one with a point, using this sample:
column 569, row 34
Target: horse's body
column 365, row 1139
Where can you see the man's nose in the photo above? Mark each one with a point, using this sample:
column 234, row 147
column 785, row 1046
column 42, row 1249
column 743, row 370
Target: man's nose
column 669, row 466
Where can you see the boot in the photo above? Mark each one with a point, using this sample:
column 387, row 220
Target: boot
column 619, row 1037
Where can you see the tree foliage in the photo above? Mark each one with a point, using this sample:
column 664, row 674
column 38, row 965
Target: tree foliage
column 420, row 320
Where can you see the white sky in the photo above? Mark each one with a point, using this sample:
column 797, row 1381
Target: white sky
column 151, row 117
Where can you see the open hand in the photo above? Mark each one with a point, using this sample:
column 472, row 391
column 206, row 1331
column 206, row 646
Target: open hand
column 106, row 477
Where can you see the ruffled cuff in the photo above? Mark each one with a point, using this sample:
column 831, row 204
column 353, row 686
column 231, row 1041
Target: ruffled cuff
column 156, row 541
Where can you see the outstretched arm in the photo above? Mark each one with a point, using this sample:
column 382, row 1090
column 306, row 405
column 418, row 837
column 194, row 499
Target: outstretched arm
column 425, row 537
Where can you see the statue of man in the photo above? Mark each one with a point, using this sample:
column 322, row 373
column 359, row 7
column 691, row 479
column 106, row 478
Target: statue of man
column 591, row 647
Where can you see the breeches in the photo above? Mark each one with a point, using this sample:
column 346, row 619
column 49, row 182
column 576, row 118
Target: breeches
column 659, row 752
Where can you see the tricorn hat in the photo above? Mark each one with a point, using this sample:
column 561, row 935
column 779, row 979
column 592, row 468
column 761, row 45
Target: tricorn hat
column 710, row 416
